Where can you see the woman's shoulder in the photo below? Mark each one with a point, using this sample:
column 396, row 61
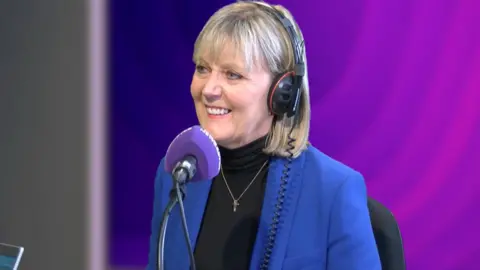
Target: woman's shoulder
column 320, row 168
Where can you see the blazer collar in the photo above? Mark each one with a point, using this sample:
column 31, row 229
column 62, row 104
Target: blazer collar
column 274, row 180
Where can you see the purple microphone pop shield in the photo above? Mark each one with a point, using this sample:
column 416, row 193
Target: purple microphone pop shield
column 196, row 142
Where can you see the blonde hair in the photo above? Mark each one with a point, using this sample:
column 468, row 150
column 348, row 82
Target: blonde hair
column 261, row 38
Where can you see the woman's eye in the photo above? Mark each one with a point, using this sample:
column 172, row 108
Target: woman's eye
column 233, row 76
column 201, row 69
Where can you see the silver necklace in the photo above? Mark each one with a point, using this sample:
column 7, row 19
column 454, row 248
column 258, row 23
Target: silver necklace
column 236, row 201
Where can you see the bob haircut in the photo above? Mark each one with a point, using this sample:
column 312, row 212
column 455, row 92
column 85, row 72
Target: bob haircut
column 262, row 40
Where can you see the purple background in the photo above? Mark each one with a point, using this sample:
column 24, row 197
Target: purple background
column 395, row 94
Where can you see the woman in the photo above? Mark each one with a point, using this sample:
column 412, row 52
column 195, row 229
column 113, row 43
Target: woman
column 278, row 202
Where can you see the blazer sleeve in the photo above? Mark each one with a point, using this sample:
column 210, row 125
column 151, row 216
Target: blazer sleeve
column 351, row 244
column 156, row 219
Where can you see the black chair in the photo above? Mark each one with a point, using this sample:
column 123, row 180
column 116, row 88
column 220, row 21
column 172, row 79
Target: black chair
column 387, row 236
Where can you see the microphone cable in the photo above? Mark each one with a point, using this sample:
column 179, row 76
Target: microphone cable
column 185, row 227
column 177, row 195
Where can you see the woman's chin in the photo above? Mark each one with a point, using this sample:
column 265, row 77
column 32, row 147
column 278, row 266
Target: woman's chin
column 217, row 132
column 216, row 129
column 221, row 137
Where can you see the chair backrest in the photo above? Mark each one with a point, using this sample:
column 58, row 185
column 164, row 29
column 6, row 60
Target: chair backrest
column 387, row 236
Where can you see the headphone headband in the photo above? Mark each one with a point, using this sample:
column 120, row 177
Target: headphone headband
column 289, row 27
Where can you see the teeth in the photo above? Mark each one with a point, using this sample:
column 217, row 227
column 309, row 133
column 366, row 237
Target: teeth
column 217, row 111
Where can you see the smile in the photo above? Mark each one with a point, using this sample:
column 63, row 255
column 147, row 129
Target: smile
column 217, row 111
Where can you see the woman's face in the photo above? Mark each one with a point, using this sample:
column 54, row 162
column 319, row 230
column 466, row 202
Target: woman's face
column 230, row 100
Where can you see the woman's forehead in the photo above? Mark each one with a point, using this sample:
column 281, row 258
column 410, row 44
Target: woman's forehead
column 229, row 54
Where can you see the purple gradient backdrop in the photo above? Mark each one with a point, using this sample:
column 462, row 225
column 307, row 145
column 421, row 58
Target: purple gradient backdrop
column 395, row 94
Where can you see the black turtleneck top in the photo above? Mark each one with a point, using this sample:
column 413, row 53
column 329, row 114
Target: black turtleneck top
column 226, row 238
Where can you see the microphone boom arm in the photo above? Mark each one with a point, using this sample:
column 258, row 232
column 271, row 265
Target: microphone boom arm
column 163, row 226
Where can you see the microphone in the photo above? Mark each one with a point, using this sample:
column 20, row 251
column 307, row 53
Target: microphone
column 191, row 157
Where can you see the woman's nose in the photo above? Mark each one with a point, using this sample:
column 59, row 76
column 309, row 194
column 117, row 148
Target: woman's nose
column 212, row 89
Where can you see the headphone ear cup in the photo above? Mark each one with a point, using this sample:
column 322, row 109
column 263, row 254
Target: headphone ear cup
column 280, row 96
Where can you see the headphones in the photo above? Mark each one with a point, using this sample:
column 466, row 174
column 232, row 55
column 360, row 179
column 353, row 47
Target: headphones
column 285, row 92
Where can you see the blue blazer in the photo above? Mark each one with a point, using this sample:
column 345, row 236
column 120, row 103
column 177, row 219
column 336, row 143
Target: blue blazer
column 325, row 223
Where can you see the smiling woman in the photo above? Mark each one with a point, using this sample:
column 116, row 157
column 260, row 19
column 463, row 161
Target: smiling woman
column 237, row 56
column 278, row 202
column 230, row 98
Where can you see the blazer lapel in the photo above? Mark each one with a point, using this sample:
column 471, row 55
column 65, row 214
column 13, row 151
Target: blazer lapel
column 176, row 253
column 292, row 192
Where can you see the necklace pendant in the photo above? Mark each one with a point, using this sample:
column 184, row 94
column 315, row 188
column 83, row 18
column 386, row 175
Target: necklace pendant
column 235, row 204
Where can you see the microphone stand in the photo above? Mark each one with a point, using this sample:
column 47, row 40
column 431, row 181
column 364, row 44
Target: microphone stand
column 177, row 194
column 163, row 225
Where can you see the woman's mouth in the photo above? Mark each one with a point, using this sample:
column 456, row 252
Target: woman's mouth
column 217, row 111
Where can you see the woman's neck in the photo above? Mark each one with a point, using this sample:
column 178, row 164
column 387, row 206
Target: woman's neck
column 247, row 157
